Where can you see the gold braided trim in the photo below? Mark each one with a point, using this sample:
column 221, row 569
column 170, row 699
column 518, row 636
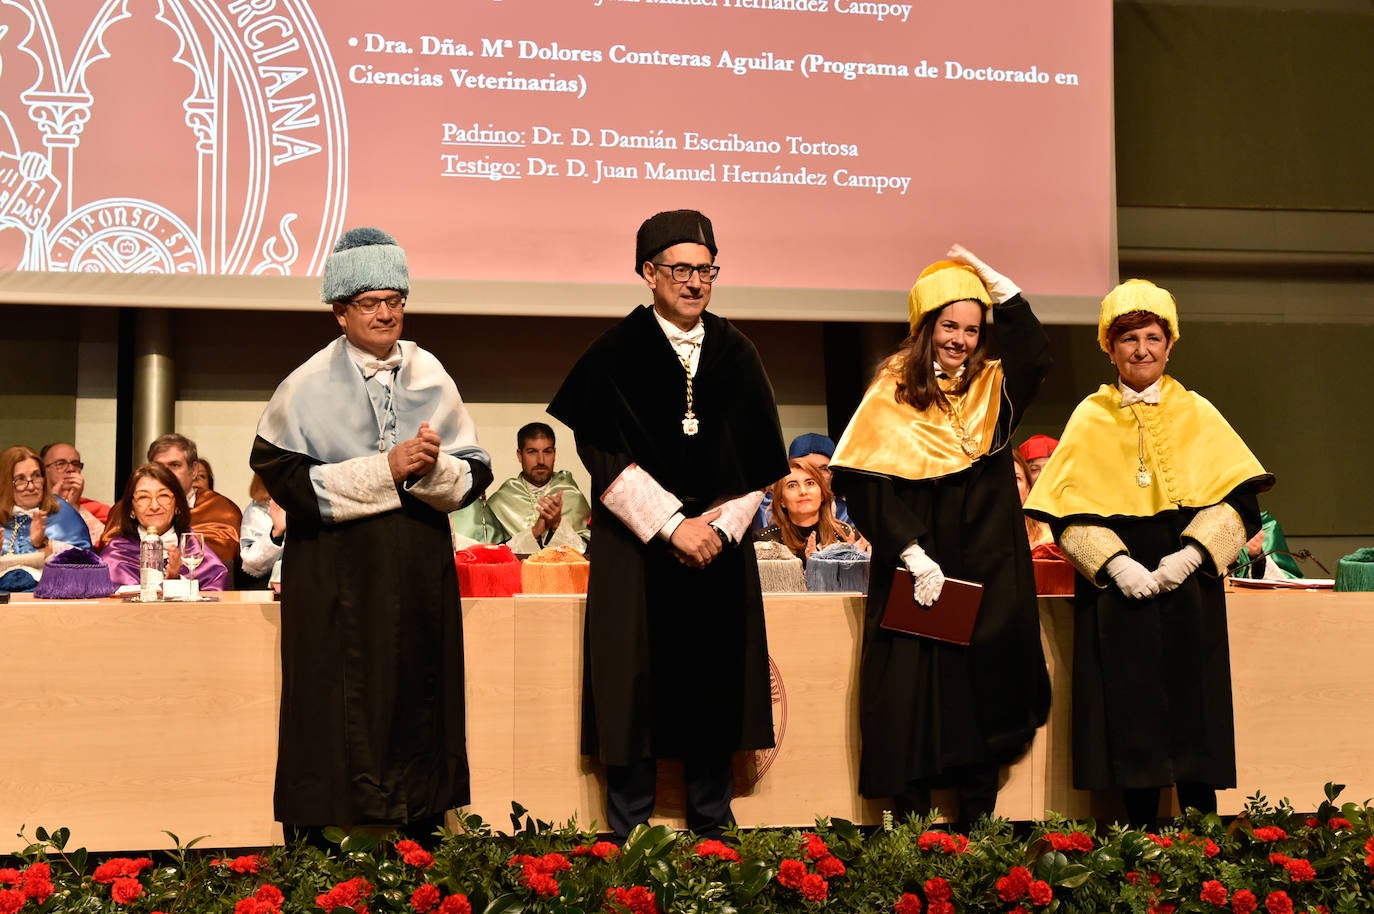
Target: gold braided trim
column 1088, row 548
column 1219, row 530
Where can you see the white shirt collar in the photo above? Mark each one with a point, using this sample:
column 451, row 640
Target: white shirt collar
column 676, row 335
column 371, row 365
column 1149, row 395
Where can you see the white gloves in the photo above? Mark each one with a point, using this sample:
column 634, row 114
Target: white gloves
column 1002, row 289
column 1175, row 567
column 1131, row 577
column 927, row 580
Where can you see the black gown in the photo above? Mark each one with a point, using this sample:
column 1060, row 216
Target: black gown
column 372, row 725
column 675, row 659
column 929, row 711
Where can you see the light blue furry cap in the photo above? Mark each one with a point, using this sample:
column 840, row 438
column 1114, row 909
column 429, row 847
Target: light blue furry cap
column 365, row 259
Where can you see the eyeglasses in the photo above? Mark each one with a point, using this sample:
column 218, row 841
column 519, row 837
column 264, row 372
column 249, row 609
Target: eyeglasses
column 28, row 482
column 145, row 500
column 682, row 272
column 371, row 305
column 64, row 465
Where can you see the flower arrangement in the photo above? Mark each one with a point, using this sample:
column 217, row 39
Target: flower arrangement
column 1268, row 860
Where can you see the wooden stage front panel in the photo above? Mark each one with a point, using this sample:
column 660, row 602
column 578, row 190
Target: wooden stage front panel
column 126, row 719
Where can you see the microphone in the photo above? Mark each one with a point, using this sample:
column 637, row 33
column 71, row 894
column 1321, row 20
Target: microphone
column 1302, row 555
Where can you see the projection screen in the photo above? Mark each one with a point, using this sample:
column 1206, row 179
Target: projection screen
column 207, row 153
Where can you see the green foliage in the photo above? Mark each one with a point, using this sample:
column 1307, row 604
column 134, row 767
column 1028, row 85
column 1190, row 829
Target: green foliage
column 1322, row 861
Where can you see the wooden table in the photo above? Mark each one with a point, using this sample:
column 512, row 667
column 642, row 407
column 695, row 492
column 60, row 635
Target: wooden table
column 124, row 719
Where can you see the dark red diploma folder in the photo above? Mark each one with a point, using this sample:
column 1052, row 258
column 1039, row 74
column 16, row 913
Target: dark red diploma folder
column 951, row 619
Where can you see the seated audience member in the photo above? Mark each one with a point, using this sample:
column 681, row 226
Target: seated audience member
column 1037, row 450
column 1266, row 555
column 542, row 506
column 1037, row 531
column 34, row 523
column 156, row 507
column 203, row 476
column 804, row 511
column 815, row 449
column 262, row 535
column 213, row 516
column 66, row 478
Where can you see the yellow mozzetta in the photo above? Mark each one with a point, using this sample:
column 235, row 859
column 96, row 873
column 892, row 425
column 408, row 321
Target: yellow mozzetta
column 895, row 439
column 1194, row 457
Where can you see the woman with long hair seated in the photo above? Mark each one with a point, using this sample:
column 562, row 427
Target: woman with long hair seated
column 804, row 513
column 34, row 523
column 155, row 506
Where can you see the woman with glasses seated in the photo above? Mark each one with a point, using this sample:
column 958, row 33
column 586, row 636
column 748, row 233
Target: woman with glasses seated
column 34, row 523
column 155, row 507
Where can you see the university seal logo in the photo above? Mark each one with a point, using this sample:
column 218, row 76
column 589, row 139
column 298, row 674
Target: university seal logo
column 169, row 136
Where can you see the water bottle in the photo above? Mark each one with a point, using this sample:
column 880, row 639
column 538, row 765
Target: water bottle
column 150, row 564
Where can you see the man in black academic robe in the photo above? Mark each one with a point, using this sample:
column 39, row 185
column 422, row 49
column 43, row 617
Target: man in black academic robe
column 674, row 418
column 368, row 447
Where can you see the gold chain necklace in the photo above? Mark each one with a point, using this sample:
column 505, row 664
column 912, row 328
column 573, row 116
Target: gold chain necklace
column 14, row 536
column 690, row 425
column 970, row 447
column 1143, row 477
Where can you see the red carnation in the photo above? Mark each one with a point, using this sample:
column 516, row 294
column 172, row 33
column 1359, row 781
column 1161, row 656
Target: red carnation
column 1014, row 885
column 1336, row 822
column 125, row 889
column 908, row 904
column 1278, row 903
column 9, row 876
column 1244, row 902
column 249, row 864
column 455, row 904
column 350, row 894
column 36, row 882
column 424, row 897
column 1164, row 907
column 938, row 890
column 1161, row 840
column 830, row 866
column 11, row 900
column 1300, row 870
column 604, row 850
column 1213, row 892
column 1210, row 849
column 411, row 852
column 636, row 900
column 940, row 907
column 1018, row 910
column 540, row 883
column 791, row 873
column 713, row 848
column 814, row 887
column 1270, row 833
column 813, row 847
column 1040, row 892
column 121, row 867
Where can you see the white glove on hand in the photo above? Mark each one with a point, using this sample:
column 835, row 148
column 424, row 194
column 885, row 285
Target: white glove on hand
column 927, row 580
column 1175, row 567
column 1132, row 578
column 1002, row 289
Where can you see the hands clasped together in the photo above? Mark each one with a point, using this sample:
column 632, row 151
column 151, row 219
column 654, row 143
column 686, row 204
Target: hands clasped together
column 1137, row 582
column 414, row 457
column 695, row 542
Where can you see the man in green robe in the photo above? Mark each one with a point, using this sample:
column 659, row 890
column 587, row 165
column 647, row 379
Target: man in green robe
column 540, row 507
